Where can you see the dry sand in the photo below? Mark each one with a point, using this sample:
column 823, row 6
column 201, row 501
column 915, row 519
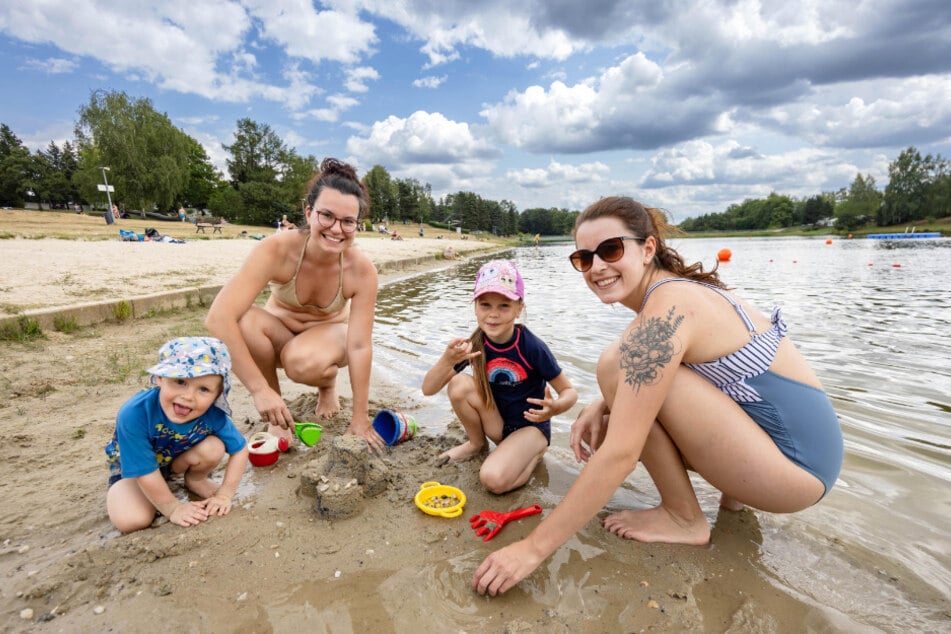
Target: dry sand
column 274, row 563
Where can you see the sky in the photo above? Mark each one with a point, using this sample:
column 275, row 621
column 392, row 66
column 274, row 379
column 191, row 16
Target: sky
column 686, row 105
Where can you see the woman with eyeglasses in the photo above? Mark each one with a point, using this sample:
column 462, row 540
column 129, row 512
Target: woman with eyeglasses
column 319, row 315
column 699, row 380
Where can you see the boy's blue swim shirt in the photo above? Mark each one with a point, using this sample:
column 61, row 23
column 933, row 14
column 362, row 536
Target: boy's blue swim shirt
column 145, row 440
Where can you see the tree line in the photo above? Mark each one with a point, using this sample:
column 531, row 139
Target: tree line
column 155, row 166
column 919, row 188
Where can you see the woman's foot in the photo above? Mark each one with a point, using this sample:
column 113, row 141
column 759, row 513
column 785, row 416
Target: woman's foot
column 658, row 525
column 730, row 504
column 328, row 403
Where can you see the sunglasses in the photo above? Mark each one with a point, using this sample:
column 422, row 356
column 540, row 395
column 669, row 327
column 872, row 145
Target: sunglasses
column 611, row 250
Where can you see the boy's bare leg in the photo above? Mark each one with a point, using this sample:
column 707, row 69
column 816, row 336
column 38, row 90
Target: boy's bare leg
column 197, row 464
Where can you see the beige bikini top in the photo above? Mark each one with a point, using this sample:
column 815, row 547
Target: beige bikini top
column 286, row 293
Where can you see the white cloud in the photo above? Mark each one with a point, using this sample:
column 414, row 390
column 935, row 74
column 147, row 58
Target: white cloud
column 357, row 78
column 429, row 82
column 52, row 65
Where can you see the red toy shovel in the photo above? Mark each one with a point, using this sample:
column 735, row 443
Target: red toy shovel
column 488, row 523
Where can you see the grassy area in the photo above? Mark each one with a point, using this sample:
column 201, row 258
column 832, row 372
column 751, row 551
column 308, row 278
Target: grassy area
column 35, row 225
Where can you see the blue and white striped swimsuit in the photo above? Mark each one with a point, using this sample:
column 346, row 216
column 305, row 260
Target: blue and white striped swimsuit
column 798, row 417
column 729, row 373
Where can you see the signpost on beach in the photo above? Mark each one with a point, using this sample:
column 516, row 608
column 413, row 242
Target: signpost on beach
column 107, row 188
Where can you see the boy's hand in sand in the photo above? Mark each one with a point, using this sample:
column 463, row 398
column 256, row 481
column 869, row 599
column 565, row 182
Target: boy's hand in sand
column 218, row 504
column 189, row 514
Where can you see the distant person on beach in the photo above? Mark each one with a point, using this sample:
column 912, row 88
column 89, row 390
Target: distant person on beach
column 181, row 426
column 182, row 215
column 287, row 225
column 699, row 380
column 508, row 396
column 319, row 316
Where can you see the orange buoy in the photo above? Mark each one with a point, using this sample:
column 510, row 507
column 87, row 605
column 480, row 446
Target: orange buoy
column 828, row 241
column 724, row 255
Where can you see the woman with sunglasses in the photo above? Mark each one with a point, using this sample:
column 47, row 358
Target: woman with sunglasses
column 319, row 316
column 699, row 380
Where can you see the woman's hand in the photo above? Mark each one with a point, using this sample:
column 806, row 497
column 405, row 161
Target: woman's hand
column 368, row 433
column 587, row 432
column 504, row 568
column 272, row 408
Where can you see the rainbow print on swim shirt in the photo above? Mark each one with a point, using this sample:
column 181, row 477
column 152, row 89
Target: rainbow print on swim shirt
column 502, row 371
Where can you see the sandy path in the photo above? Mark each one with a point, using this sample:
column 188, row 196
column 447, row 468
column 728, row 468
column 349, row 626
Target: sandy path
column 50, row 273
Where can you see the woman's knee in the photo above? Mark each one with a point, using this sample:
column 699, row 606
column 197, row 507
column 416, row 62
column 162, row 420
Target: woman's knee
column 609, row 364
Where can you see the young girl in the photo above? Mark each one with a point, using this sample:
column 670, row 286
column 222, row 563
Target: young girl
column 181, row 426
column 507, row 397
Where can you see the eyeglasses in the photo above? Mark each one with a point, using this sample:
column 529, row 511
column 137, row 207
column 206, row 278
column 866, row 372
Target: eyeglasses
column 611, row 250
column 326, row 219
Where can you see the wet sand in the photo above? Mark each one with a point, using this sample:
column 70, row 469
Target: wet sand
column 276, row 564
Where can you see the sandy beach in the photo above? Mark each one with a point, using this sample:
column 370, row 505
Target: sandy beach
column 277, row 563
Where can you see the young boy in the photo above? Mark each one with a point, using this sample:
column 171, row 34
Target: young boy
column 181, row 426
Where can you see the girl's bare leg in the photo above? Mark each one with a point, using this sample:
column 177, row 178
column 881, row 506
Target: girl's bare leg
column 511, row 464
column 477, row 421
column 197, row 464
column 314, row 357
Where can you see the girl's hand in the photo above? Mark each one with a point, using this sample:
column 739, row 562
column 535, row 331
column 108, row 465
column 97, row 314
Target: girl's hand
column 218, row 504
column 272, row 408
column 189, row 514
column 587, row 432
column 545, row 410
column 504, row 568
column 459, row 350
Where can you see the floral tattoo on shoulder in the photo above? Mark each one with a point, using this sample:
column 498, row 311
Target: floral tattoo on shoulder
column 648, row 348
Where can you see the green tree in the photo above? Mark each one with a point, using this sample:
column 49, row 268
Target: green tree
column 908, row 178
column 860, row 205
column 203, row 177
column 256, row 153
column 16, row 168
column 147, row 155
column 382, row 193
column 815, row 209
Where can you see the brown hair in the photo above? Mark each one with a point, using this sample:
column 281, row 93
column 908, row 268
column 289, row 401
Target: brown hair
column 477, row 339
column 335, row 174
column 647, row 222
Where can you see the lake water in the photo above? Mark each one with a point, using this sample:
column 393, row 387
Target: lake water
column 871, row 316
